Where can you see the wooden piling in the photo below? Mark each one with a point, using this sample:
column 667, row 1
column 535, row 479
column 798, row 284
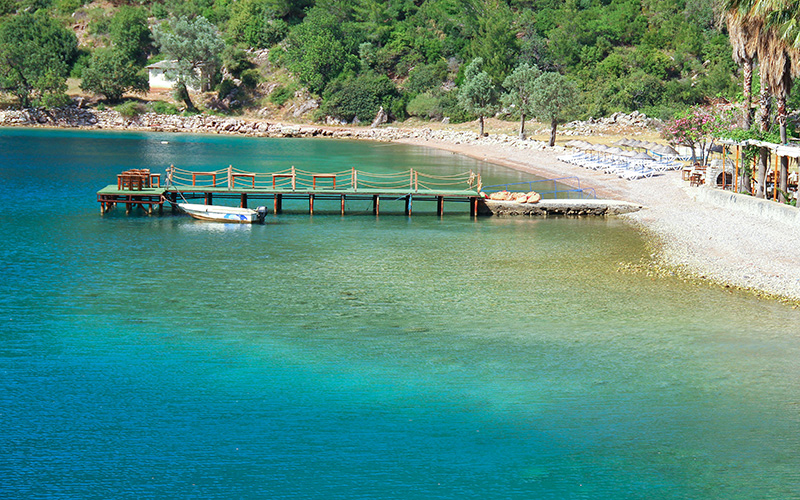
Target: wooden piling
column 278, row 208
column 209, row 199
column 342, row 204
column 439, row 205
column 408, row 205
column 243, row 200
column 311, row 204
column 376, row 204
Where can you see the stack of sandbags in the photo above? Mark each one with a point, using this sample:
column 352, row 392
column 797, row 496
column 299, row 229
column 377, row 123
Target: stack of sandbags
column 531, row 197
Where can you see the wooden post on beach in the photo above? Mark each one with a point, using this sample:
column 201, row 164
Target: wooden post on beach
column 736, row 175
column 775, row 178
column 724, row 159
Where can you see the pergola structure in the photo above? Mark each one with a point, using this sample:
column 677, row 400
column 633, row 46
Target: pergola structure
column 777, row 151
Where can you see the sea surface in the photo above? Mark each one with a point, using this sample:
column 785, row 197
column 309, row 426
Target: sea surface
column 363, row 357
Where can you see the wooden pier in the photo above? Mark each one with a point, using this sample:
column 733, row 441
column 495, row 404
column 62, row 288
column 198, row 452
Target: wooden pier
column 140, row 188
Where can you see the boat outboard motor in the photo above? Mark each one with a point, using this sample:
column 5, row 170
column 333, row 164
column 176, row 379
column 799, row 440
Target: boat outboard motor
column 262, row 213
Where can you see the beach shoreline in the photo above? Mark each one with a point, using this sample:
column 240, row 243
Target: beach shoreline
column 689, row 237
column 694, row 238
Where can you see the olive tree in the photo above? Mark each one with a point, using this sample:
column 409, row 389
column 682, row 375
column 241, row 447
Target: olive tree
column 554, row 98
column 477, row 94
column 519, row 92
column 195, row 46
column 112, row 73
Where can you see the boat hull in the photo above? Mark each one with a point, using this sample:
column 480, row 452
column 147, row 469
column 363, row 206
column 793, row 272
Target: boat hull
column 219, row 213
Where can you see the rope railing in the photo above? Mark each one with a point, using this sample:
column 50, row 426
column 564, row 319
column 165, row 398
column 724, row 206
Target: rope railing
column 294, row 179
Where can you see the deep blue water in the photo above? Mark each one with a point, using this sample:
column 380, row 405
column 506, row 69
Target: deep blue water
column 361, row 357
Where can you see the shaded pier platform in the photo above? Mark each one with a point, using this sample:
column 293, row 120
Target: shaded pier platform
column 262, row 188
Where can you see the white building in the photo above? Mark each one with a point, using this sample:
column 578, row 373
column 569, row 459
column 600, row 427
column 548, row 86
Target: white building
column 158, row 78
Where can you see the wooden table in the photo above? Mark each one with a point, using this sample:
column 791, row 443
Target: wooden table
column 212, row 174
column 252, row 177
column 286, row 176
column 322, row 176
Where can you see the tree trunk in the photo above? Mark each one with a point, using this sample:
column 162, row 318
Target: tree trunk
column 765, row 105
column 747, row 91
column 480, row 120
column 183, row 95
column 553, row 125
column 783, row 187
column 761, row 175
column 765, row 110
column 522, row 128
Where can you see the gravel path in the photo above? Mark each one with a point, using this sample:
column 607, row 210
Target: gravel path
column 698, row 238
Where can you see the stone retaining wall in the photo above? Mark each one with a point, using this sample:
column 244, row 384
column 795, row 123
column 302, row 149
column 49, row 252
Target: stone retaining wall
column 746, row 204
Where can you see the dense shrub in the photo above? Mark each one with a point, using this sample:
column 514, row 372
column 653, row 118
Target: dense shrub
column 235, row 60
column 451, row 108
column 68, row 6
column 130, row 109
column 360, row 97
column 281, row 94
column 224, row 88
column 163, row 108
column 252, row 22
column 250, row 78
column 426, row 106
column 426, row 77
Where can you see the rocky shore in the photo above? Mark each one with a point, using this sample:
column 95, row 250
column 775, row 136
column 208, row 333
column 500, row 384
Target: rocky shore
column 77, row 116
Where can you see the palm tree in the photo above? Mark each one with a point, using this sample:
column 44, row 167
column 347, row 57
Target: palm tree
column 743, row 35
column 774, row 22
column 777, row 63
column 782, row 55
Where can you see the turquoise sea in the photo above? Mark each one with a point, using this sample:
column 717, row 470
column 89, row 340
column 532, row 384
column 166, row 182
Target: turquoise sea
column 362, row 357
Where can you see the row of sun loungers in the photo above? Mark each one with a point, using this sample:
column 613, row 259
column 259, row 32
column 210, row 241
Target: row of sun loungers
column 625, row 168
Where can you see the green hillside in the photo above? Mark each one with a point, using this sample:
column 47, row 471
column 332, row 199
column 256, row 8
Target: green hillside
column 655, row 56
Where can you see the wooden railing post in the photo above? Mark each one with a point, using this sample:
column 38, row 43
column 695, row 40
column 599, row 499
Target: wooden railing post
column 230, row 176
column 355, row 179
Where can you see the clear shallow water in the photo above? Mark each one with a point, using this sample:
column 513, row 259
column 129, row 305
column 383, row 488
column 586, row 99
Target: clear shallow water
column 363, row 357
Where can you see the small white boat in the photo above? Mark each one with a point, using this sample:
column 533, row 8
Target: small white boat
column 221, row 213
